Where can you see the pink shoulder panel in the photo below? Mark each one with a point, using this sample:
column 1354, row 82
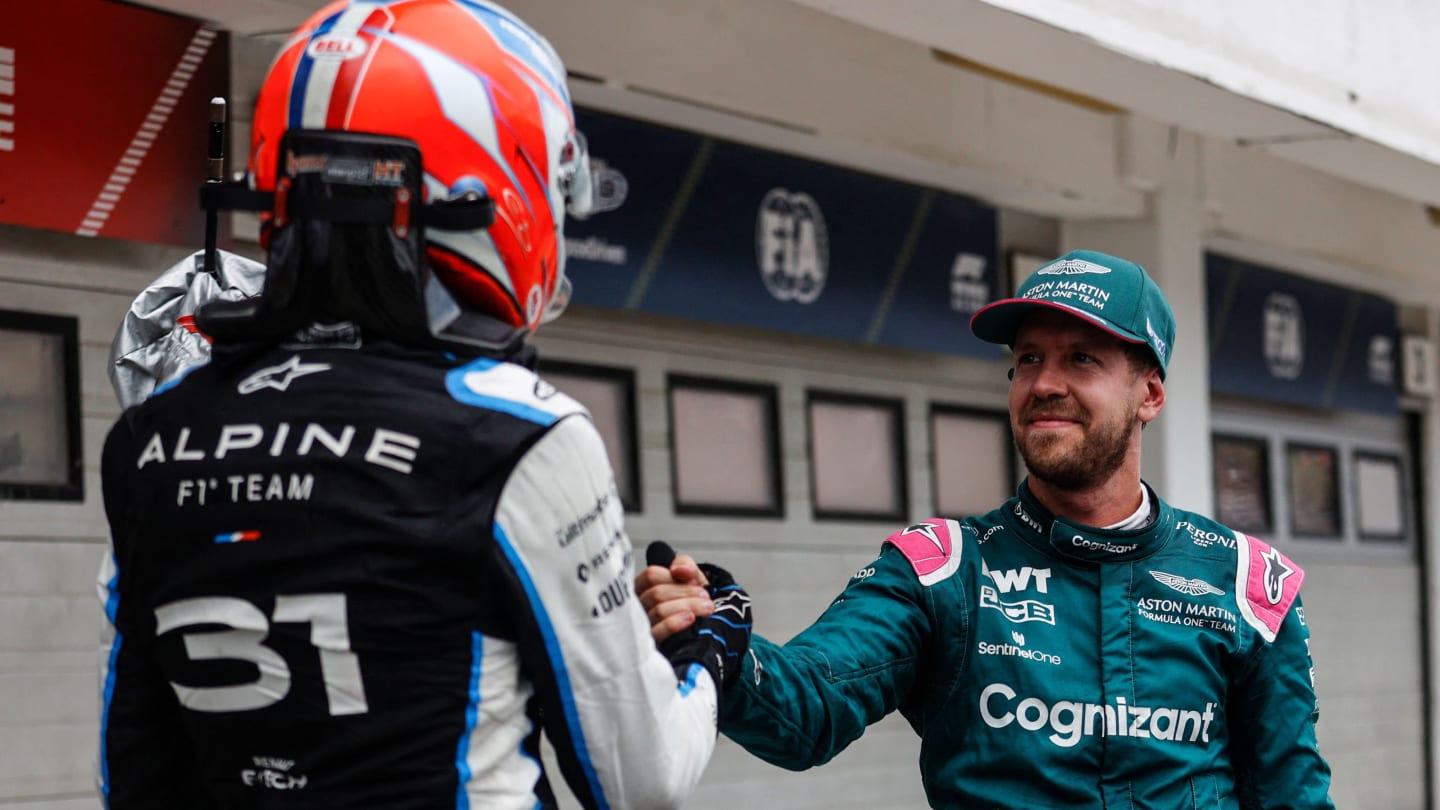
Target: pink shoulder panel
column 932, row 547
column 1266, row 584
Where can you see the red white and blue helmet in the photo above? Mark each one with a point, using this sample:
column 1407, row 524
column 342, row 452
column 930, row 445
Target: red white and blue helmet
column 484, row 97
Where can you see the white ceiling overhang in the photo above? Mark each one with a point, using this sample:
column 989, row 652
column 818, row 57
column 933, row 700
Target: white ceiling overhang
column 1040, row 54
column 1062, row 59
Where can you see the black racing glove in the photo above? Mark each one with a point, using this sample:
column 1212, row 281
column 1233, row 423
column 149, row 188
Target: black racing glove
column 717, row 642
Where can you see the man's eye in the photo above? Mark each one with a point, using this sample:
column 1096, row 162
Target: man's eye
column 1027, row 359
column 1083, row 358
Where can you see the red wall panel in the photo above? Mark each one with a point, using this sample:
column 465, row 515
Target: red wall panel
column 103, row 118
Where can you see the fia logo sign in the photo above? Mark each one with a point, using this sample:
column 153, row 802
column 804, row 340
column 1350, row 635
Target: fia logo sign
column 791, row 246
column 1284, row 328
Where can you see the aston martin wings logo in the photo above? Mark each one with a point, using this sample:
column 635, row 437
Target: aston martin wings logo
column 1193, row 587
column 279, row 377
column 926, row 530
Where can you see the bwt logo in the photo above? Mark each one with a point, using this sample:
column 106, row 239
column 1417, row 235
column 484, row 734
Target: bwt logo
column 791, row 246
column 1284, row 324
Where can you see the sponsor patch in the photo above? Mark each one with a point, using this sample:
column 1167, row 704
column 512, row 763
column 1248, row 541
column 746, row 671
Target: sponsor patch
column 1065, row 723
column 1266, row 585
column 1193, row 587
column 929, row 548
column 1072, row 267
column 1020, row 610
column 279, row 377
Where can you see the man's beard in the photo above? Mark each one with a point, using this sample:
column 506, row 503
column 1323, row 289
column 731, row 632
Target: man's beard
column 1100, row 453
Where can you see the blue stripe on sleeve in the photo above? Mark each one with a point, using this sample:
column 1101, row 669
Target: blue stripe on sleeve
column 112, row 609
column 472, row 718
column 557, row 663
column 688, row 685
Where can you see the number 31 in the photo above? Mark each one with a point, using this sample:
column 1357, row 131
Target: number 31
column 245, row 641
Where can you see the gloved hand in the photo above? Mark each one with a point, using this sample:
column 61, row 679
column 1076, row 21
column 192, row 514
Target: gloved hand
column 717, row 642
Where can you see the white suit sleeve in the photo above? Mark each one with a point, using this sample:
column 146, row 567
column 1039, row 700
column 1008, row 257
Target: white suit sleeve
column 636, row 737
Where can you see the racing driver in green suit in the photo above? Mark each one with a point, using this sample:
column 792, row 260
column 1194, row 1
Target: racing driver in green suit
column 1085, row 645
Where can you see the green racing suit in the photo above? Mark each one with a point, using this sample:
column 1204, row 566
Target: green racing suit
column 1048, row 664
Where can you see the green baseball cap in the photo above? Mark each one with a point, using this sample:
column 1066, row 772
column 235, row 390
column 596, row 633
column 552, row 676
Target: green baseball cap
column 1112, row 293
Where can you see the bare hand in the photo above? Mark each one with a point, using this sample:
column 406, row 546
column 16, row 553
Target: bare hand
column 673, row 597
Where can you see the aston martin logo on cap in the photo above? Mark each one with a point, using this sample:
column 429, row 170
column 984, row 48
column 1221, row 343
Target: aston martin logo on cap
column 1072, row 267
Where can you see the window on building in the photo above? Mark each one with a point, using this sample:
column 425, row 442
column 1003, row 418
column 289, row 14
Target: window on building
column 1314, row 479
column 609, row 395
column 1242, row 483
column 973, row 460
column 1379, row 496
column 40, row 445
column 726, row 447
column 857, row 455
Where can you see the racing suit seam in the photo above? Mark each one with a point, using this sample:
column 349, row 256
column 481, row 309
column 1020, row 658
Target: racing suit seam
column 955, row 677
column 850, row 676
column 775, row 712
column 1130, row 623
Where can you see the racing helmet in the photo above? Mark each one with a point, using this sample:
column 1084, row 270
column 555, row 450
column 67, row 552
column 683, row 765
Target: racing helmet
column 484, row 98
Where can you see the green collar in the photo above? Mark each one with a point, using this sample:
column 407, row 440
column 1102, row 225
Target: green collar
column 1035, row 525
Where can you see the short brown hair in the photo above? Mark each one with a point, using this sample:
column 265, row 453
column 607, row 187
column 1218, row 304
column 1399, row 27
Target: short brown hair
column 1142, row 360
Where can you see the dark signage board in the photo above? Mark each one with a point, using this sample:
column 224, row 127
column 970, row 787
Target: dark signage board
column 1279, row 337
column 706, row 229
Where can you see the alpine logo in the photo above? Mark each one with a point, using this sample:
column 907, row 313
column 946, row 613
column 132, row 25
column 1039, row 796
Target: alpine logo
column 1193, row 587
column 279, row 377
column 1072, row 267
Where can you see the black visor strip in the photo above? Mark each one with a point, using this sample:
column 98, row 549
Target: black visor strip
column 444, row 215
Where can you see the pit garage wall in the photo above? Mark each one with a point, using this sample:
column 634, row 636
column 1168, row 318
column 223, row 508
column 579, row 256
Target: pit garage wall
column 49, row 550
column 1117, row 183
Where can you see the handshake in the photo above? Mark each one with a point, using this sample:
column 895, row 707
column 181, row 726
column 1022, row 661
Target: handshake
column 698, row 615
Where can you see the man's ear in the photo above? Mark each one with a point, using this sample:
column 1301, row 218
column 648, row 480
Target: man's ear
column 1153, row 399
